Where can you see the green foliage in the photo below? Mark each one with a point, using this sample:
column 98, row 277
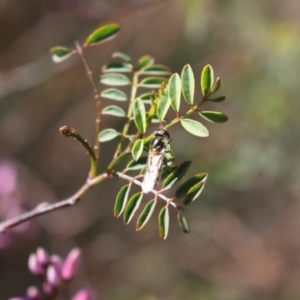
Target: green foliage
column 102, row 34
column 163, row 222
column 146, row 214
column 60, row 54
column 137, row 149
column 188, row 84
column 144, row 108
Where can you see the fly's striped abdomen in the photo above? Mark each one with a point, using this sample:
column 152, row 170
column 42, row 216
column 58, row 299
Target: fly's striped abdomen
column 155, row 159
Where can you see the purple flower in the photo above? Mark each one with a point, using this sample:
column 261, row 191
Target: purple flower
column 53, row 276
column 84, row 294
column 71, row 264
column 34, row 266
column 42, row 256
column 48, row 289
column 56, row 261
column 33, row 293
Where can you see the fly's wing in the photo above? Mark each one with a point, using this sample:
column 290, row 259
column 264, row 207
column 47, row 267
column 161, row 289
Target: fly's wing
column 154, row 165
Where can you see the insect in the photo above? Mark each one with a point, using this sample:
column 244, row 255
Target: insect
column 155, row 159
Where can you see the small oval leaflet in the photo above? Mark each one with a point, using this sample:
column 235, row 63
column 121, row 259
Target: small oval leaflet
column 207, row 79
column 152, row 82
column 139, row 114
column 218, row 99
column 155, row 70
column 121, row 200
column 146, row 214
column 132, row 206
column 163, row 105
column 188, row 84
column 145, row 60
column 174, row 88
column 122, row 56
column 137, row 165
column 137, row 149
column 163, row 223
column 177, row 174
column 114, row 110
column 194, row 127
column 102, row 34
column 114, row 94
column 183, row 223
column 107, row 135
column 186, row 186
column 193, row 193
column 114, row 79
column 216, row 85
column 117, row 67
column 60, row 54
column 213, row 116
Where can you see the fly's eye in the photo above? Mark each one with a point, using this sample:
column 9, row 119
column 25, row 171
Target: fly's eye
column 157, row 144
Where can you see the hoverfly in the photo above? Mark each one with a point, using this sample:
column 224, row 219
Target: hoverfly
column 155, row 159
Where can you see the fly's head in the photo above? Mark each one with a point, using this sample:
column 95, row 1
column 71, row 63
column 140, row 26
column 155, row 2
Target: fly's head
column 160, row 141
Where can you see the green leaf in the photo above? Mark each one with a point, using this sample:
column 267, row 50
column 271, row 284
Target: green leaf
column 137, row 149
column 145, row 60
column 177, row 174
column 152, row 82
column 114, row 79
column 193, row 193
column 114, row 110
column 137, row 165
column 122, row 56
column 146, row 214
column 188, row 84
column 163, row 222
column 102, row 34
column 174, row 88
column 117, row 67
column 213, row 116
column 207, row 79
column 194, row 127
column 163, row 106
column 218, row 99
column 147, row 96
column 183, row 223
column 216, row 85
column 155, row 70
column 114, row 94
column 60, row 54
column 132, row 206
column 107, row 135
column 139, row 115
column 185, row 187
column 121, row 200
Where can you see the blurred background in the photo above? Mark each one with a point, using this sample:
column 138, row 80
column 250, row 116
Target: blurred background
column 244, row 241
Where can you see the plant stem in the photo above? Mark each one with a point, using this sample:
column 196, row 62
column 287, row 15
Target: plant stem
column 129, row 114
column 156, row 193
column 97, row 97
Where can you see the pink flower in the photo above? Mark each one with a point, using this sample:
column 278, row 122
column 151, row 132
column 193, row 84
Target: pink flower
column 42, row 256
column 34, row 293
column 53, row 277
column 71, row 264
column 34, row 266
column 84, row 294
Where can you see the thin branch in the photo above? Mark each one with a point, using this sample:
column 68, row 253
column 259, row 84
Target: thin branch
column 156, row 193
column 97, row 98
column 129, row 114
column 44, row 208
column 68, row 131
